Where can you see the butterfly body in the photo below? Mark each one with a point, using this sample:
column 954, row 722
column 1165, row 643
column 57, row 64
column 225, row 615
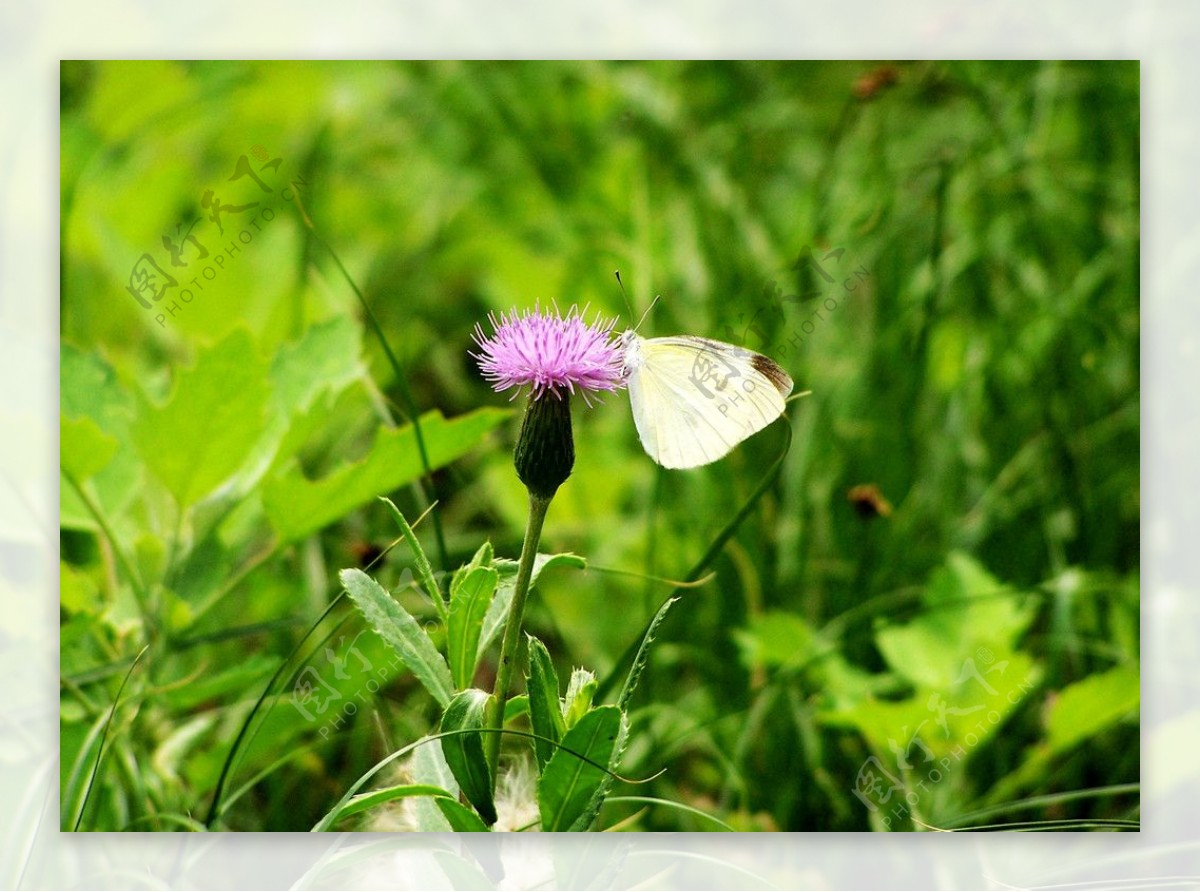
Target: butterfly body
column 695, row 399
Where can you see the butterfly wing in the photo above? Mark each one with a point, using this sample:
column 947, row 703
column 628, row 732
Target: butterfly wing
column 694, row 399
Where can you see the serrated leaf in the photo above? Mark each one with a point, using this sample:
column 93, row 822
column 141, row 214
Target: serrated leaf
column 464, row 625
column 593, row 808
column 210, row 423
column 298, row 506
column 545, row 711
column 305, row 377
column 461, row 818
column 464, row 752
column 569, row 783
column 402, row 632
column 498, row 610
column 643, row 654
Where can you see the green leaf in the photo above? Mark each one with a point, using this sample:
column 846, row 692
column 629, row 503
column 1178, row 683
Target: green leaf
column 424, row 569
column 306, row 377
column 516, row 707
column 210, row 423
column 230, row 683
column 77, row 592
column 483, row 558
column 1089, row 706
column 89, row 388
column 326, row 358
column 402, row 632
column 468, row 606
column 968, row 609
column 545, row 710
column 1079, row 712
column 375, row 798
column 498, row 610
column 569, row 783
column 592, row 806
column 598, row 796
column 580, row 691
column 464, row 752
column 428, row 766
column 461, row 818
column 297, row 506
column 643, row 654
column 85, row 450
column 775, row 638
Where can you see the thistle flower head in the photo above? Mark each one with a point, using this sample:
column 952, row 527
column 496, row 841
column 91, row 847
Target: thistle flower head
column 549, row 352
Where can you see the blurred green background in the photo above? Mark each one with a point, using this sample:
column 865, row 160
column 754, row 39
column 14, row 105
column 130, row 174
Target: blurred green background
column 929, row 619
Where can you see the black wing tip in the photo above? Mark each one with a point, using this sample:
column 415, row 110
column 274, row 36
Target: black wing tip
column 770, row 370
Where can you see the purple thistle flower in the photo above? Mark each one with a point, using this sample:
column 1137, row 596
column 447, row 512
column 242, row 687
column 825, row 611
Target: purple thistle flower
column 549, row 352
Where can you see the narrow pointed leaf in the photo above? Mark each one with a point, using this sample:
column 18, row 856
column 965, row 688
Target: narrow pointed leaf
column 464, row 752
column 643, row 654
column 365, row 801
column 461, row 818
column 428, row 766
column 402, row 632
column 483, row 558
column 424, row 569
column 545, row 711
column 601, row 791
column 569, row 784
column 468, row 606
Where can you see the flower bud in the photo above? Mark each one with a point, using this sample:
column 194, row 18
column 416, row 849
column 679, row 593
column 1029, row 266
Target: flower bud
column 545, row 452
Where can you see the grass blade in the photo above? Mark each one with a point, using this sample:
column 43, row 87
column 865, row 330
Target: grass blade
column 104, row 737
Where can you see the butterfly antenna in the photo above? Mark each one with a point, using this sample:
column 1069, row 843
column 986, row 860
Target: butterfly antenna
column 647, row 313
column 630, row 305
column 624, row 294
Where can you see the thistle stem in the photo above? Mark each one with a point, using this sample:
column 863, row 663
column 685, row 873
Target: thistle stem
column 511, row 643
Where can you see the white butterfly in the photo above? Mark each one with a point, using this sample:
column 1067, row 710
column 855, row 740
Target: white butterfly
column 694, row 399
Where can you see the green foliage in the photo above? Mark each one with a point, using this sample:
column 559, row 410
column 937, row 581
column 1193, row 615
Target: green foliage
column 949, row 264
column 210, row 422
column 581, row 689
column 469, row 601
column 402, row 632
column 298, row 507
column 85, row 449
column 461, row 818
column 574, row 774
column 497, row 612
column 464, row 752
column 545, row 706
column 91, row 393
